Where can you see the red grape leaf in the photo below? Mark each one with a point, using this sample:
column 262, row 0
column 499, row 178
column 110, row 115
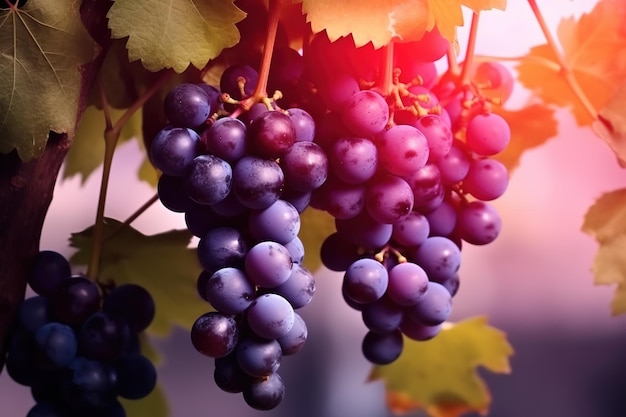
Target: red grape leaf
column 439, row 375
column 161, row 263
column 606, row 222
column 530, row 126
column 174, row 34
column 42, row 45
column 611, row 124
column 593, row 47
column 379, row 21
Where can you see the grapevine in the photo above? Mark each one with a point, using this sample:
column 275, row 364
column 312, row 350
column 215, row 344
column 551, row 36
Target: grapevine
column 276, row 124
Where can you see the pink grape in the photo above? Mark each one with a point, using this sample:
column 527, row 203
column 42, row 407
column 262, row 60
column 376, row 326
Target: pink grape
column 487, row 134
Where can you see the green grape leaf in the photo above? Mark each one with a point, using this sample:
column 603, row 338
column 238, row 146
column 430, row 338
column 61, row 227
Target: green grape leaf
column 439, row 375
column 154, row 405
column 42, row 46
column 316, row 226
column 606, row 222
column 611, row 124
column 87, row 150
column 531, row 127
column 174, row 34
column 593, row 48
column 161, row 263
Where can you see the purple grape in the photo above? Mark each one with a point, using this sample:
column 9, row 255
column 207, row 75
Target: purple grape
column 434, row 307
column 279, row 222
column 388, row 198
column 411, row 230
column 337, row 254
column 353, row 160
column 341, row 200
column 382, row 348
column 268, row 264
column 75, row 300
column 299, row 288
column 172, row 194
column 259, row 357
column 187, row 105
column 455, row 165
column 136, row 376
column 208, row 179
column 294, row 340
column 303, row 123
column 382, row 316
column 366, row 113
column 265, row 393
column 442, row 220
column 487, row 134
column 437, row 134
column 88, row 385
column 49, row 269
column 226, row 139
column 402, row 150
column 271, row 134
column 222, row 247
column 364, row 231
column 104, row 337
column 365, row 281
column 33, row 313
column 305, row 166
column 214, row 334
column 270, row 316
column 487, row 179
column 478, row 223
column 296, row 250
column 428, row 191
column 57, row 344
column 418, row 331
column 229, row 291
column 439, row 256
column 407, row 284
column 173, row 149
column 239, row 81
column 133, row 303
column 257, row 183
column 229, row 376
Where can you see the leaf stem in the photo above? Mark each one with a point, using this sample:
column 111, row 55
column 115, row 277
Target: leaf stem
column 471, row 47
column 453, row 65
column 268, row 49
column 387, row 75
column 564, row 68
column 111, row 137
column 142, row 209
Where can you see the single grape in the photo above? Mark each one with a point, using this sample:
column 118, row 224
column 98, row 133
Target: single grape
column 442, row 220
column 229, row 291
column 271, row 134
column 411, row 230
column 214, row 334
column 299, row 287
column 33, row 313
column 294, row 340
column 487, row 134
column 268, row 264
column 403, row 149
column 259, row 357
column 305, row 166
column 187, row 105
column 487, row 179
column 353, row 160
column 454, row 166
column 388, row 198
column 270, row 316
column 366, row 280
column 229, row 376
column 439, row 256
column 303, row 123
column 49, row 269
column 337, row 253
column 57, row 344
column 418, row 331
column 382, row 348
column 226, row 139
column 341, row 200
column 265, row 393
column 478, row 223
column 133, row 303
column 279, row 222
column 173, row 149
column 222, row 247
column 437, row 134
column 172, row 194
column 208, row 179
column 407, row 284
column 296, row 250
column 257, row 182
column 239, row 81
column 382, row 316
column 136, row 376
column 434, row 307
column 104, row 337
column 88, row 386
column 75, row 300
column 364, row 231
column 366, row 113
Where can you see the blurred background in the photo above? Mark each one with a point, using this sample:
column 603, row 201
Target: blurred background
column 534, row 282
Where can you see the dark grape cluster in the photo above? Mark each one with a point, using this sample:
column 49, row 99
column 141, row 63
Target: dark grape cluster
column 242, row 184
column 76, row 347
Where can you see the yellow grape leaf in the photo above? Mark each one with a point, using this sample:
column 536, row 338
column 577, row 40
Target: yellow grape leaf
column 161, row 263
column 175, row 33
column 606, row 222
column 611, row 124
column 593, row 47
column 42, row 46
column 440, row 375
column 375, row 21
column 153, row 405
column 530, row 126
column 316, row 226
column 379, row 21
column 87, row 150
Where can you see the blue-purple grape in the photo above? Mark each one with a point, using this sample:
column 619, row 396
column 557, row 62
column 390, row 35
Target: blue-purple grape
column 229, row 291
column 187, row 105
column 257, row 182
column 208, row 179
column 214, row 334
column 366, row 280
column 173, row 149
column 270, row 316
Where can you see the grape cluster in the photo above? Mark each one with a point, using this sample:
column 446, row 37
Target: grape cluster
column 408, row 183
column 242, row 184
column 77, row 349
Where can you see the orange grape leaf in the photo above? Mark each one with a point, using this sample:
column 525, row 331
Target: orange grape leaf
column 440, row 376
column 593, row 49
column 379, row 21
column 611, row 124
column 530, row 127
column 606, row 222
